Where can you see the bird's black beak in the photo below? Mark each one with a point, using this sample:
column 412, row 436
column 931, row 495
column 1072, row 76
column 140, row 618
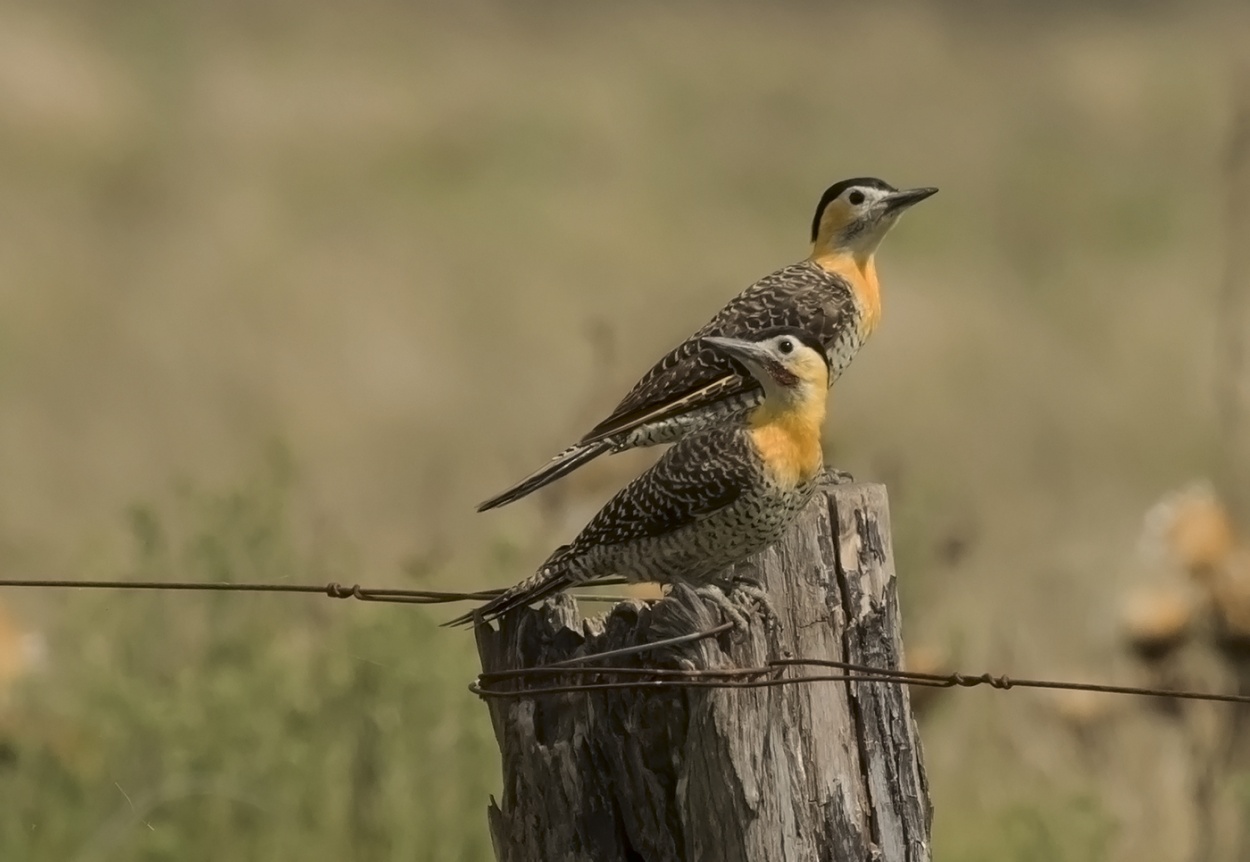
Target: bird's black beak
column 896, row 202
column 749, row 353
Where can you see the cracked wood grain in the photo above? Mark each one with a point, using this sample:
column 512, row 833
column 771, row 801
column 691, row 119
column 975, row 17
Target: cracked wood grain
column 823, row 771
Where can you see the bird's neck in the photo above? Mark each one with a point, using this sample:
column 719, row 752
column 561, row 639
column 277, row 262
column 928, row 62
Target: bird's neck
column 859, row 270
column 788, row 438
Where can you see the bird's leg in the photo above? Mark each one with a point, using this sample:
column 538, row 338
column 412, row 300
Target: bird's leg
column 833, row 476
column 751, row 588
column 728, row 598
column 714, row 594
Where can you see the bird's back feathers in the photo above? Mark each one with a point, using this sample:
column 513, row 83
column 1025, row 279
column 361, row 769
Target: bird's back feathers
column 695, row 384
column 699, row 476
column 693, row 375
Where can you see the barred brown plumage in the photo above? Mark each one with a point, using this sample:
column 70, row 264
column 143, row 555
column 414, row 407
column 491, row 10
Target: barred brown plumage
column 718, row 495
column 833, row 295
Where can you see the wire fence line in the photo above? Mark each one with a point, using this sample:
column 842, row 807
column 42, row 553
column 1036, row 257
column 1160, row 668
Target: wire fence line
column 774, row 673
column 515, row 683
column 331, row 590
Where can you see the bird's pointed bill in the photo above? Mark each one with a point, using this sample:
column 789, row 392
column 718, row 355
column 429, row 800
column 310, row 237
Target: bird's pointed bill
column 747, row 351
column 901, row 200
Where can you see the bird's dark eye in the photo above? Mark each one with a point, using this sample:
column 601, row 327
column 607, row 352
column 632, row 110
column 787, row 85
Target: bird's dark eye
column 856, row 198
column 786, row 346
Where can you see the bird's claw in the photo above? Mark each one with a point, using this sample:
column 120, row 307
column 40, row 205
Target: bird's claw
column 834, row 476
column 714, row 594
column 751, row 589
column 731, row 604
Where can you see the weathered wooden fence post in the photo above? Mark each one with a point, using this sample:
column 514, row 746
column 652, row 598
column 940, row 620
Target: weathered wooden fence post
column 818, row 771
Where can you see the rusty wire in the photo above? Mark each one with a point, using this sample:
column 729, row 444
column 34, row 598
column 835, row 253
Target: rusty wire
column 332, row 590
column 767, row 675
column 772, row 674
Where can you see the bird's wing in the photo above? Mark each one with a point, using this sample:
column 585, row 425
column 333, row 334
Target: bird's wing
column 699, row 376
column 694, row 375
column 701, row 474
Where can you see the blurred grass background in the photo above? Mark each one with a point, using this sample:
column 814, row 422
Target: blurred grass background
column 286, row 288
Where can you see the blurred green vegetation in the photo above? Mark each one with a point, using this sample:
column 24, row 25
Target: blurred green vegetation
column 233, row 726
column 1074, row 829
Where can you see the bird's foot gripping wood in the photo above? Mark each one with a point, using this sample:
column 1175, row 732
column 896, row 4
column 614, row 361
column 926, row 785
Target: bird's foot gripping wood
column 714, row 594
column 750, row 590
column 743, row 596
column 833, row 476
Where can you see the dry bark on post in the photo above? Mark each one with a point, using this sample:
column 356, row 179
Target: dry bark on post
column 818, row 771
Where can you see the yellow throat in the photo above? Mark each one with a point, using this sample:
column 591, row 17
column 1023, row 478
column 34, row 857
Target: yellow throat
column 788, row 439
column 860, row 272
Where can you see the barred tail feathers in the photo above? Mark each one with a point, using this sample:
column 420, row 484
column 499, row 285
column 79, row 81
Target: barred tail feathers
column 551, row 578
column 557, row 468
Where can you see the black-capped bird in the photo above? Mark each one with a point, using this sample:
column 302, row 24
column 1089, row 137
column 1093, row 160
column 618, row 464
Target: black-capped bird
column 834, row 294
column 719, row 495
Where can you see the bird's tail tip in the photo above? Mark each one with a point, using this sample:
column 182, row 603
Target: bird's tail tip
column 557, row 468
column 544, row 584
column 460, row 621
